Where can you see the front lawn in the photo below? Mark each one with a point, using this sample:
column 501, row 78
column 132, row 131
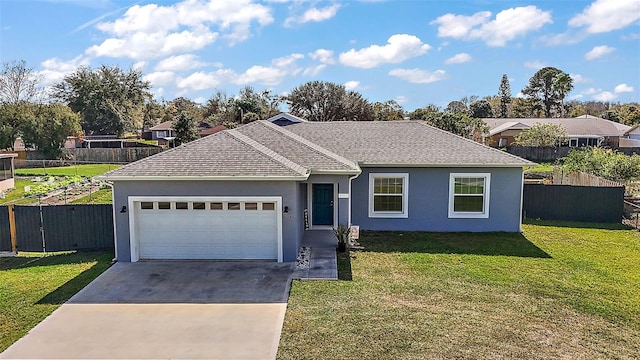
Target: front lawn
column 559, row 290
column 32, row 286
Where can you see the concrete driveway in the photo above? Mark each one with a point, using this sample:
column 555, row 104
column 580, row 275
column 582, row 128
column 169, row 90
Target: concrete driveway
column 168, row 309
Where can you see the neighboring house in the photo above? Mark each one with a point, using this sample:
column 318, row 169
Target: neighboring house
column 163, row 133
column 256, row 191
column 582, row 131
column 631, row 137
column 211, row 130
column 6, row 171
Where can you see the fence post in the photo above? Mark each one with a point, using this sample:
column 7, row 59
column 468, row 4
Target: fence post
column 12, row 229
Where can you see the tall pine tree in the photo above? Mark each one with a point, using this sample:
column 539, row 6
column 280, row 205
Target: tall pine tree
column 504, row 92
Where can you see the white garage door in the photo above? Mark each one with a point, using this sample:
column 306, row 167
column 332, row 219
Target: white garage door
column 188, row 228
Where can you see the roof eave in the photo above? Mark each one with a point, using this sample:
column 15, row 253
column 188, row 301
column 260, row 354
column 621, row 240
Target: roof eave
column 336, row 172
column 379, row 165
column 201, row 178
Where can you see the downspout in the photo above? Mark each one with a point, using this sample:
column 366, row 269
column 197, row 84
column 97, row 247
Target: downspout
column 349, row 209
column 521, row 198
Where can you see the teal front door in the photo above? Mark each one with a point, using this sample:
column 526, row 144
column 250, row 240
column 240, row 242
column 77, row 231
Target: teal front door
column 322, row 204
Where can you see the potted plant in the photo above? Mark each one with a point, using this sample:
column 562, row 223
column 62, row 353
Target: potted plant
column 342, row 234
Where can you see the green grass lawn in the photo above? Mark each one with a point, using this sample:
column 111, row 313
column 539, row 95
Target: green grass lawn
column 32, row 286
column 87, row 170
column 102, row 196
column 17, row 192
column 558, row 290
column 541, row 168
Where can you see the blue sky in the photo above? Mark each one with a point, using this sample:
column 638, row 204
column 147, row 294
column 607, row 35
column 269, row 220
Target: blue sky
column 414, row 52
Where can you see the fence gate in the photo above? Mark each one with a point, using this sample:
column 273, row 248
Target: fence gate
column 5, row 235
column 60, row 227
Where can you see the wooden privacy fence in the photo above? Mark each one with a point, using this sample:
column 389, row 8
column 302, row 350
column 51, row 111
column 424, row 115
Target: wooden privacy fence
column 573, row 203
column 562, row 177
column 56, row 228
column 535, row 153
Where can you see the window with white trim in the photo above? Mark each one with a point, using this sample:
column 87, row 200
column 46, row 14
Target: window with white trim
column 388, row 195
column 469, row 195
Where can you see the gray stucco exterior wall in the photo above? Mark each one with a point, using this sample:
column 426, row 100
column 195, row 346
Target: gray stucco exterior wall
column 288, row 190
column 428, row 199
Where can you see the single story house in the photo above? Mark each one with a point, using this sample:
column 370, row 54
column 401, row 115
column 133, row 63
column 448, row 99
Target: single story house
column 631, row 137
column 165, row 134
column 7, row 171
column 256, row 191
column 583, row 130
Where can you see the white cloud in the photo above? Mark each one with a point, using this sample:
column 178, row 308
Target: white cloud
column 287, row 61
column 623, row 88
column 313, row 15
column 418, row 76
column 458, row 59
column 313, row 70
column 256, row 74
column 399, row 48
column 607, row 15
column 150, row 31
column 261, row 75
column 55, row 69
column 401, row 99
column 351, row 85
column 535, row 64
column 139, row 65
column 598, row 51
column 202, row 80
column 323, row 55
column 577, row 79
column 507, row 25
column 591, row 91
column 160, row 78
column 179, row 63
column 605, row 96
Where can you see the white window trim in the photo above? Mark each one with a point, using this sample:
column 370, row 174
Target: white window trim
column 405, row 196
column 470, row 215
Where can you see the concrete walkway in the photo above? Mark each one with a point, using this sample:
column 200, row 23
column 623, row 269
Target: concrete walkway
column 323, row 263
column 161, row 310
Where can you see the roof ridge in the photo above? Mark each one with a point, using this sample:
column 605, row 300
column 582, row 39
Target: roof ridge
column 310, row 144
column 424, row 123
column 268, row 152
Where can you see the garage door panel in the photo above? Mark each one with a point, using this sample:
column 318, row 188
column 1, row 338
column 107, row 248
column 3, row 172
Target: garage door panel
column 208, row 233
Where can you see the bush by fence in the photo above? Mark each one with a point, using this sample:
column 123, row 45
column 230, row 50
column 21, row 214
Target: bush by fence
column 58, row 228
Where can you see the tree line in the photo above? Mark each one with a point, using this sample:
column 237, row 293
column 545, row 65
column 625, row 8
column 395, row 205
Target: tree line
column 111, row 100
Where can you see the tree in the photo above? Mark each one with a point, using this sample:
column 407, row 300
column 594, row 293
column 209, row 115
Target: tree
column 109, row 99
column 18, row 83
column 481, row 109
column 457, row 107
column 542, row 134
column 49, row 126
column 424, row 113
column 13, row 117
column 504, row 93
column 388, row 110
column 549, row 86
column 326, row 101
column 459, row 124
column 185, row 128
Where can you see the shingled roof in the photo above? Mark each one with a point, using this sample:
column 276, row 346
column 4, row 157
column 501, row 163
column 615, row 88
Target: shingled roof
column 580, row 126
column 263, row 150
